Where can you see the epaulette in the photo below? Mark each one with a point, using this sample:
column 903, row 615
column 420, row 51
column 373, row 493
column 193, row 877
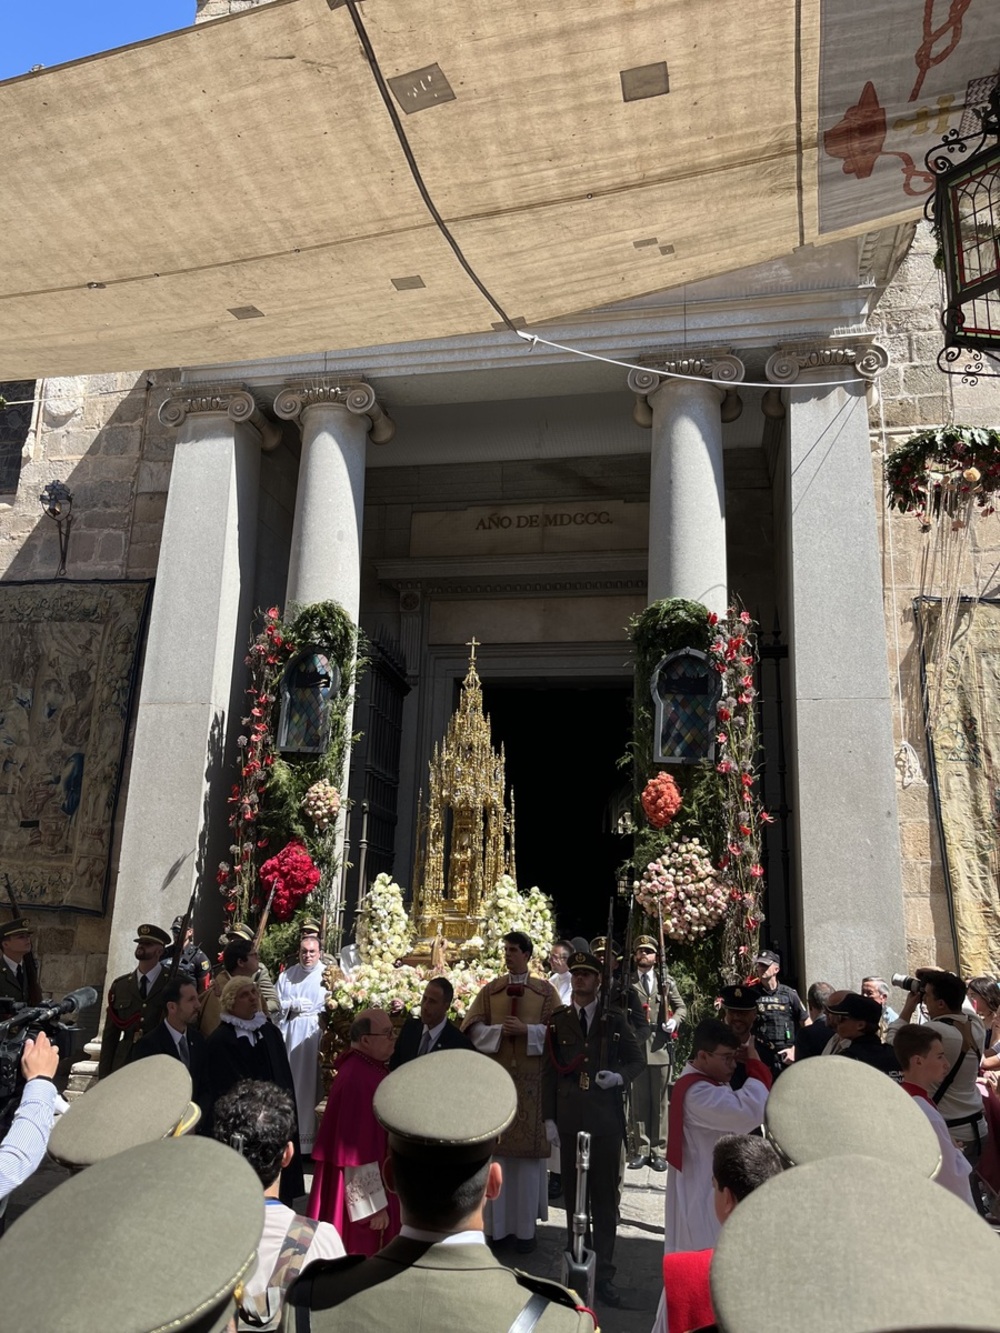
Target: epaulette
column 301, row 1290
column 553, row 1291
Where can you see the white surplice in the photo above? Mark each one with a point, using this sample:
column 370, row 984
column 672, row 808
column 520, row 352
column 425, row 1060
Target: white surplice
column 710, row 1110
column 303, row 996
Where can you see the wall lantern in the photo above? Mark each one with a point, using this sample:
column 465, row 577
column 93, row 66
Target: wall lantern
column 686, row 690
column 965, row 211
column 57, row 501
column 309, row 685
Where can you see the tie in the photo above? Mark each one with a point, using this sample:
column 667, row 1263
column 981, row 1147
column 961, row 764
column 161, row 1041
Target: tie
column 582, row 1015
column 19, row 976
column 425, row 1043
column 647, row 984
column 143, row 986
column 183, row 1052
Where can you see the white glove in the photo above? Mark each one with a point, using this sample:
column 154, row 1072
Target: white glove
column 552, row 1133
column 669, row 1026
column 607, row 1078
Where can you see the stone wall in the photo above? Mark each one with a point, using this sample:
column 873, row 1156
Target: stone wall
column 914, row 396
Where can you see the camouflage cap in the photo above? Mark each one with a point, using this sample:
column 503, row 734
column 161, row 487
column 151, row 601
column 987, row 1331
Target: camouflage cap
column 828, row 1107
column 466, row 1124
column 867, row 1289
column 143, row 1101
column 120, row 1223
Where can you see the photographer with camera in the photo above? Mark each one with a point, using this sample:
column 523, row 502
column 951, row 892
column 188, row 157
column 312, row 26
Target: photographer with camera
column 962, row 1034
column 23, row 1147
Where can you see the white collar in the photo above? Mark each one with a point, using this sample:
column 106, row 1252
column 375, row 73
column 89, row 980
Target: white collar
column 150, row 976
column 246, row 1027
column 437, row 1238
column 436, row 1032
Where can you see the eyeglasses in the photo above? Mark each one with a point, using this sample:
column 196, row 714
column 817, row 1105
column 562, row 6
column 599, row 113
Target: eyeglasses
column 390, row 1032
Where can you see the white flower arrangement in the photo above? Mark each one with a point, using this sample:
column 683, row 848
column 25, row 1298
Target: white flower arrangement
column 686, row 888
column 384, row 933
column 504, row 910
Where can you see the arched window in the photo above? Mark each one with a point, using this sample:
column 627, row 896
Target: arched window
column 309, row 685
column 685, row 692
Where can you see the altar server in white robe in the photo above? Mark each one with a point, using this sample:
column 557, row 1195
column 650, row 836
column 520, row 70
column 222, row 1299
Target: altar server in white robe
column 303, row 997
column 703, row 1107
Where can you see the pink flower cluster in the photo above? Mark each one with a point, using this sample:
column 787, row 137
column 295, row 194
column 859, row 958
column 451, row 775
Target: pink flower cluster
column 685, row 888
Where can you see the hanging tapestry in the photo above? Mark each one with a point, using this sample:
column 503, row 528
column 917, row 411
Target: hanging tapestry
column 68, row 662
column 963, row 676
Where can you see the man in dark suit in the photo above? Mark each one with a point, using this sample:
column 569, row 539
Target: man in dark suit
column 176, row 1035
column 432, row 1031
column 135, row 1001
column 811, row 1039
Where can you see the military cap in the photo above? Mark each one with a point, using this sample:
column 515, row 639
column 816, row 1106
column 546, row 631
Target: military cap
column 239, row 930
column 646, row 942
column 308, row 927
column 108, row 1233
column 767, row 957
column 152, row 935
column 466, row 1124
column 600, row 945
column 867, row 1290
column 740, row 997
column 581, row 961
column 828, row 1107
column 16, row 927
column 852, row 1005
column 143, row 1101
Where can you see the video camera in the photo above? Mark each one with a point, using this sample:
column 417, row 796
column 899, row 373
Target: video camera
column 19, row 1021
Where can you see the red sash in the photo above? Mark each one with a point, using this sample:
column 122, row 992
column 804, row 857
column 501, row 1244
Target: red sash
column 916, row 1091
column 675, row 1122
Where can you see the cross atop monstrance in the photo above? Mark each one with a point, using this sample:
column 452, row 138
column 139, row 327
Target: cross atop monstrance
column 465, row 822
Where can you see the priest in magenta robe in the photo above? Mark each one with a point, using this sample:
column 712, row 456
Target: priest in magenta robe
column 351, row 1145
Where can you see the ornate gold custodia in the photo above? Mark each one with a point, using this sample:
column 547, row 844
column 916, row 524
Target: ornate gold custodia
column 465, row 834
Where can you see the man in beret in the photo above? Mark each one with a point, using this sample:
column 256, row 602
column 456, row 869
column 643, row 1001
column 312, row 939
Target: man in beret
column 135, row 1001
column 663, row 1013
column 592, row 1057
column 507, row 1021
column 438, row 1275
column 18, row 973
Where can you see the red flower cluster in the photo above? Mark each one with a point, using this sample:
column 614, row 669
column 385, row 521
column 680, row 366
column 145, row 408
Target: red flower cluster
column 661, row 800
column 293, row 875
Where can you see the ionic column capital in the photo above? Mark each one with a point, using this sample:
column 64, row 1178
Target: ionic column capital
column 356, row 395
column 863, row 356
column 232, row 400
column 719, row 370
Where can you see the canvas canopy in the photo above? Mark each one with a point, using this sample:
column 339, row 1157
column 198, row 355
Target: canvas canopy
column 239, row 190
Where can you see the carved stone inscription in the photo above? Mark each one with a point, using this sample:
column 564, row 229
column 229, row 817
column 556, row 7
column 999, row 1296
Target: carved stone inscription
column 530, row 529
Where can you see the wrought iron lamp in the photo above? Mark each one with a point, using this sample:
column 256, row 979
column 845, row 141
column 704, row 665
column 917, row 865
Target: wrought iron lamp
column 965, row 210
column 57, row 501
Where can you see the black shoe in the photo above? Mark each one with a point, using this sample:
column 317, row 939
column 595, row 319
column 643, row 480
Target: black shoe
column 525, row 1246
column 607, row 1293
column 658, row 1164
column 637, row 1163
column 555, row 1185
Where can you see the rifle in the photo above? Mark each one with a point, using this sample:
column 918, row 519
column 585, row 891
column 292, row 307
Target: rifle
column 29, row 964
column 579, row 1263
column 661, row 981
column 262, row 923
column 606, row 984
column 631, row 1129
column 175, row 960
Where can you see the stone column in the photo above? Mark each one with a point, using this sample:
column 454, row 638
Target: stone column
column 847, row 831
column 687, row 490
column 335, row 421
column 198, row 629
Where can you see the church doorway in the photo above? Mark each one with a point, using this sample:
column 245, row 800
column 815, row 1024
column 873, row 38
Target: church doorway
column 562, row 745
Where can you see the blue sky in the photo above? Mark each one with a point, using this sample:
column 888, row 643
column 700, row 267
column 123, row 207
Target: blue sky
column 50, row 32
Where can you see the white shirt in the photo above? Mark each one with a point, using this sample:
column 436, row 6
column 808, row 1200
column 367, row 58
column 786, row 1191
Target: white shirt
column 955, row 1168
column 436, row 1238
column 150, row 976
column 177, row 1036
column 325, row 1244
column 563, row 983
column 433, row 1033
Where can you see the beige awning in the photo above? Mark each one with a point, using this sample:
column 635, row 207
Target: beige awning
column 238, row 190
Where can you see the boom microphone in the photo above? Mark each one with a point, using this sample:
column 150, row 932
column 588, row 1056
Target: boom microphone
column 77, row 1000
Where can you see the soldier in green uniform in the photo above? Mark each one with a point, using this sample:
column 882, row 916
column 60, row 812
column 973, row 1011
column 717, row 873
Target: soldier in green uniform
column 591, row 1057
column 649, row 1089
column 135, row 1001
column 444, row 1119
column 18, row 974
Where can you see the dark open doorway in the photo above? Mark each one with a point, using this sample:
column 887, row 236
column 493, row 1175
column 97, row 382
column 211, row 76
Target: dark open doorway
column 563, row 743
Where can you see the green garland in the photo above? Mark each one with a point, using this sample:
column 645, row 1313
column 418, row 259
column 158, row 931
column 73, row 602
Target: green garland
column 943, row 469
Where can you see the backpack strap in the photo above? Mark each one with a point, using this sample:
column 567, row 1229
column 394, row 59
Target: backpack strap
column 293, row 1250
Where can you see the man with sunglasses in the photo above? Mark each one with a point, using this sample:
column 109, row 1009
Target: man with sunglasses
column 664, row 1011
